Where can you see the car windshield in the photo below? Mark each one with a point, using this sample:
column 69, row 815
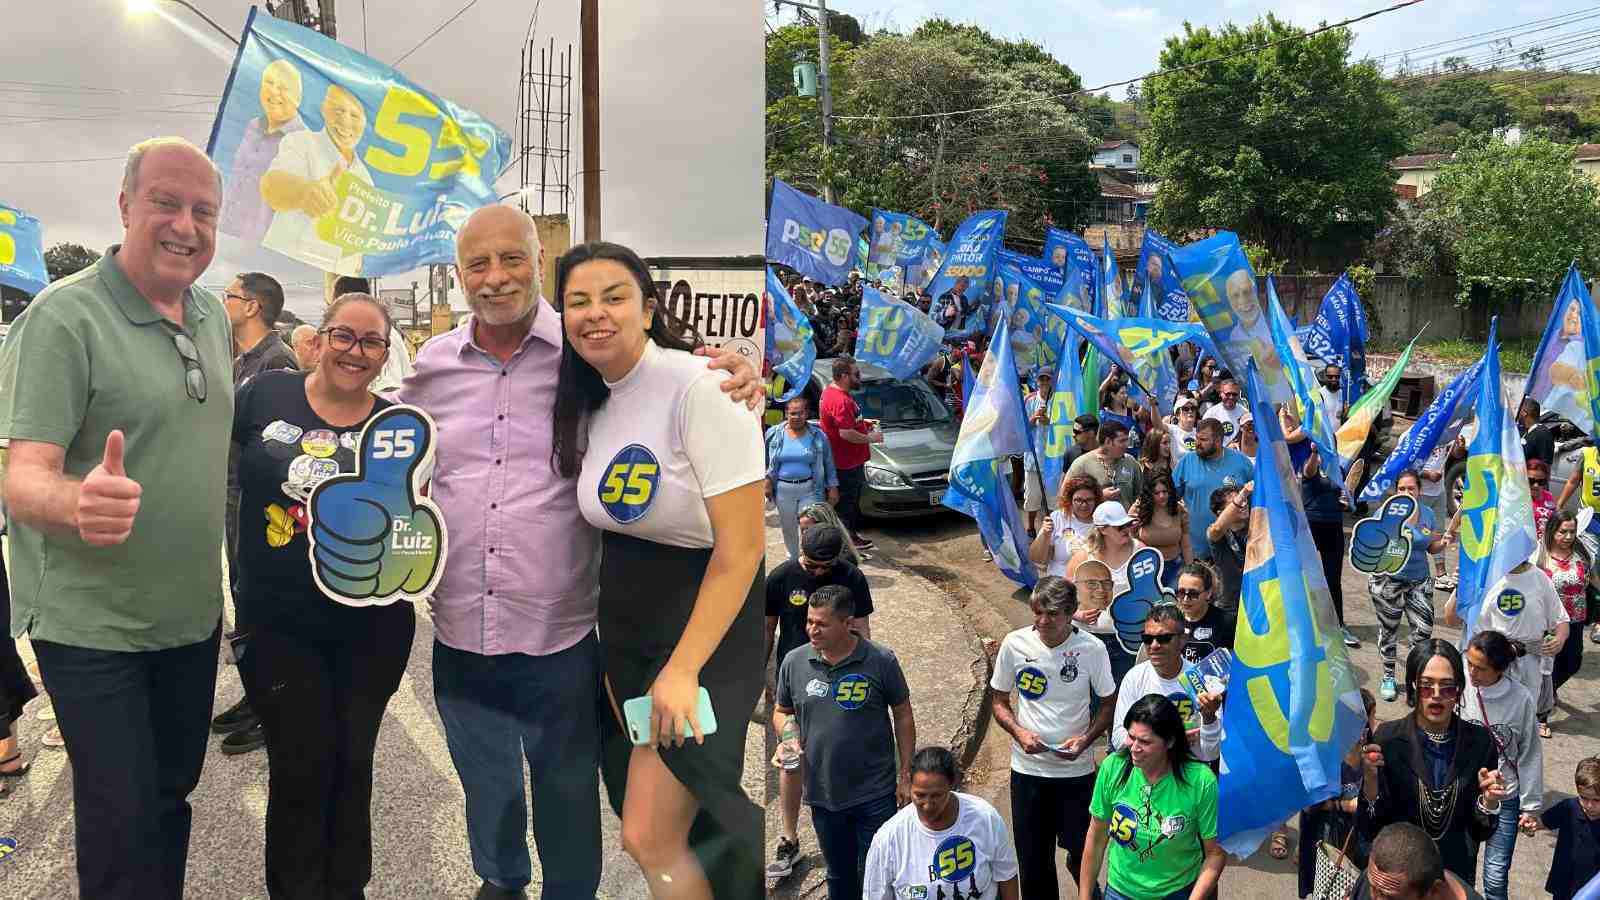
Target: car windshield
column 901, row 403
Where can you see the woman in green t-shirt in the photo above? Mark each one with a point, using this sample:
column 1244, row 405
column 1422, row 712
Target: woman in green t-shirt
column 1158, row 806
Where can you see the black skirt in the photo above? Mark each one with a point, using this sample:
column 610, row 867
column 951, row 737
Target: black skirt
column 16, row 688
column 647, row 591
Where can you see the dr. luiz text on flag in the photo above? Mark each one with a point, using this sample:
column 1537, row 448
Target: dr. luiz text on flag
column 790, row 348
column 1497, row 532
column 21, row 251
column 339, row 161
column 993, row 428
column 1292, row 708
column 895, row 335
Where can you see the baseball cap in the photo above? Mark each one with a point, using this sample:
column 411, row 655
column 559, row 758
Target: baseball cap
column 1188, row 403
column 1111, row 513
column 822, row 543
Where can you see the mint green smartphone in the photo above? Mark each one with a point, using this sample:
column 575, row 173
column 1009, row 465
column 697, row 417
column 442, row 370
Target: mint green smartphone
column 637, row 714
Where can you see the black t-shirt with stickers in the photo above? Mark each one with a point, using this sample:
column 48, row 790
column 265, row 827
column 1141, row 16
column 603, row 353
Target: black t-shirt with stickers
column 1212, row 632
column 789, row 588
column 285, row 449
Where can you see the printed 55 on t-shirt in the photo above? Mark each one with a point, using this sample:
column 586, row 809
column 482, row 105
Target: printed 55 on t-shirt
column 1053, row 687
column 969, row 859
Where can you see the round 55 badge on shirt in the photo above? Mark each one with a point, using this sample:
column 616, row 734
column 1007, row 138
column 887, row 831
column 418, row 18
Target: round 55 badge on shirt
column 1031, row 682
column 954, row 859
column 850, row 692
column 798, row 598
column 629, row 484
column 1511, row 603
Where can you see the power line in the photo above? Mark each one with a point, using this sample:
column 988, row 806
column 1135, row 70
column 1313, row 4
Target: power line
column 49, row 162
column 1194, row 65
column 446, row 24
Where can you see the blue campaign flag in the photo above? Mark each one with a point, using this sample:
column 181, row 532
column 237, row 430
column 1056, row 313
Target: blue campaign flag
column 993, row 428
column 1497, row 532
column 22, row 251
column 1066, row 404
column 790, row 347
column 1078, row 290
column 898, row 239
column 1038, row 270
column 1035, row 335
column 1067, row 251
column 1293, row 707
column 895, row 335
column 1563, row 375
column 1114, row 301
column 969, row 262
column 1131, row 341
column 812, row 237
column 1339, row 335
column 1156, row 281
column 1439, row 421
column 339, row 161
column 1316, row 421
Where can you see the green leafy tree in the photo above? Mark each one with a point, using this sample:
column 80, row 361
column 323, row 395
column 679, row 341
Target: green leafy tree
column 1279, row 145
column 1515, row 216
column 64, row 259
column 1028, row 156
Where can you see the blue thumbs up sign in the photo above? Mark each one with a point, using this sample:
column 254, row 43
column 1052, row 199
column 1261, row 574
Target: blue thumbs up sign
column 1130, row 608
column 374, row 537
column 1378, row 546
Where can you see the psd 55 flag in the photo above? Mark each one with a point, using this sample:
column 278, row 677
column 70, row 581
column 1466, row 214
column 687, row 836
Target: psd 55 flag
column 339, row 161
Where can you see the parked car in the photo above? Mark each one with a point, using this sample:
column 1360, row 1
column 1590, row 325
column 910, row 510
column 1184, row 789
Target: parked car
column 907, row 474
column 1570, row 442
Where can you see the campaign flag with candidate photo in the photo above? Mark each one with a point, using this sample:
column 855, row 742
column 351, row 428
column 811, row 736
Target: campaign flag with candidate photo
column 1339, row 335
column 994, row 427
column 339, row 161
column 1222, row 288
column 1497, row 530
column 1067, row 251
column 1035, row 335
column 812, row 237
column 1156, row 281
column 790, row 347
column 895, row 335
column 1313, row 418
column 1563, row 377
column 1114, row 302
column 898, row 239
column 969, row 260
column 1292, row 708
column 1038, row 270
column 22, row 251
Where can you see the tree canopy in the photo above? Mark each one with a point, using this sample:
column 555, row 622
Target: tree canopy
column 64, row 259
column 1279, row 144
column 1028, row 156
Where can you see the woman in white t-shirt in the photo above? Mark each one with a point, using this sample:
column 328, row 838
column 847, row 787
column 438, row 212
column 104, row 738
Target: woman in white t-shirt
column 1112, row 544
column 1067, row 526
column 945, row 844
column 672, row 474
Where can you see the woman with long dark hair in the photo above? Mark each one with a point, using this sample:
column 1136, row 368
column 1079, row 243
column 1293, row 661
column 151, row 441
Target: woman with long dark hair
column 1158, row 806
column 1505, row 707
column 1433, row 768
column 1164, row 520
column 672, row 474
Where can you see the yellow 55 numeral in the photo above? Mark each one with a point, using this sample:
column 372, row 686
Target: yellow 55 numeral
column 633, row 492
column 8, row 244
column 954, row 859
column 400, row 103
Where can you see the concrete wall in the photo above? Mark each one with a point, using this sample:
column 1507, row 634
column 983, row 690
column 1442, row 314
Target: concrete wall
column 1398, row 308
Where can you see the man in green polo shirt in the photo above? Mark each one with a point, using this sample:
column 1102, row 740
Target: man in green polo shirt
column 116, row 395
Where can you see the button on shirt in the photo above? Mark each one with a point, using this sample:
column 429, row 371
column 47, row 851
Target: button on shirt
column 522, row 573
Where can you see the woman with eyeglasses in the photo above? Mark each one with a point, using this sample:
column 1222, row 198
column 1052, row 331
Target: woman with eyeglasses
column 1433, row 768
column 1406, row 592
column 1153, row 814
column 1112, row 544
column 1164, row 522
column 671, row 474
column 1543, row 502
column 1568, row 566
column 320, row 673
column 1508, row 711
column 1067, row 525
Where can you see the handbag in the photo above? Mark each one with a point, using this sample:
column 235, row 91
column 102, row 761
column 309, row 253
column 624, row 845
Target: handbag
column 1336, row 875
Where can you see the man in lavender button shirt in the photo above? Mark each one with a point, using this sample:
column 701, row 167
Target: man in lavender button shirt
column 244, row 213
column 516, row 663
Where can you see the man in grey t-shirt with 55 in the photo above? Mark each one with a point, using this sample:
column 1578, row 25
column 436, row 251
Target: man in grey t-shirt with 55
column 844, row 691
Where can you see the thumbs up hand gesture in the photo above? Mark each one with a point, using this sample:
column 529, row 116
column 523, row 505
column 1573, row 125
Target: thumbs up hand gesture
column 1131, row 608
column 108, row 499
column 1376, row 544
column 374, row 537
column 320, row 196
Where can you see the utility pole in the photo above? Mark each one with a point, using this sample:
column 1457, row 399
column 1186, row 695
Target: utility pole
column 824, row 83
column 589, row 26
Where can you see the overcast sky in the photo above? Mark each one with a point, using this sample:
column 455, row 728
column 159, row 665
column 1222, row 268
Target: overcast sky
column 681, row 96
column 1107, row 42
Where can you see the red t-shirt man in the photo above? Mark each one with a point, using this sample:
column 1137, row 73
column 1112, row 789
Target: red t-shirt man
column 838, row 412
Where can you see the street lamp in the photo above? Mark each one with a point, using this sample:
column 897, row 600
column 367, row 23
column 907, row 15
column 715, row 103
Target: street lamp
column 150, row 5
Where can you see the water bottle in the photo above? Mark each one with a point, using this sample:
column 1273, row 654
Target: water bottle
column 789, row 746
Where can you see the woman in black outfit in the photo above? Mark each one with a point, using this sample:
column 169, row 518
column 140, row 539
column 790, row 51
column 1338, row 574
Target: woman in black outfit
column 320, row 673
column 16, row 689
column 1433, row 768
column 1325, row 516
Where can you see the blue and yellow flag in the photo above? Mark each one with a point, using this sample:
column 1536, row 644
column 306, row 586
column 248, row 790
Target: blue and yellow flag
column 1563, row 377
column 969, row 258
column 1035, row 335
column 1497, row 532
column 1292, row 707
column 993, row 428
column 1066, row 404
column 1129, row 341
column 1222, row 292
column 895, row 335
column 1112, row 301
column 1439, row 423
column 22, row 251
column 1313, row 418
column 790, row 347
